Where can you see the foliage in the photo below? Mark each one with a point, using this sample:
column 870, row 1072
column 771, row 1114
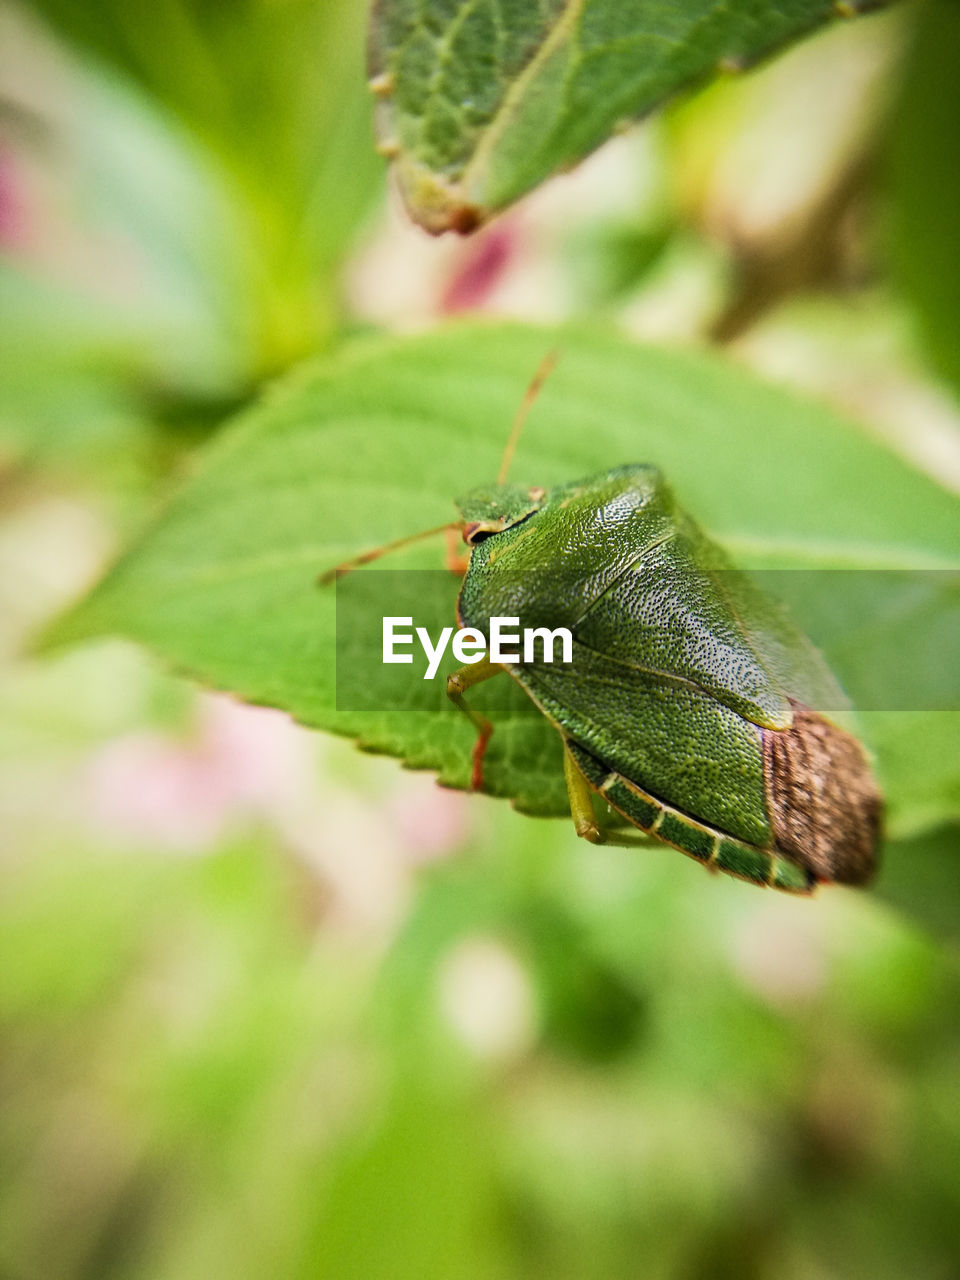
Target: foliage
column 482, row 101
column 272, row 1006
column 923, row 170
column 232, row 142
column 225, row 585
column 334, row 462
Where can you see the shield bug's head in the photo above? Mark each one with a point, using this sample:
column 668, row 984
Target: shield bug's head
column 497, row 507
column 491, row 510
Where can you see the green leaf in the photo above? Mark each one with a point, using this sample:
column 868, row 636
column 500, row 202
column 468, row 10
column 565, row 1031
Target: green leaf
column 373, row 444
column 919, row 876
column 268, row 105
column 482, row 100
column 919, row 757
column 925, row 182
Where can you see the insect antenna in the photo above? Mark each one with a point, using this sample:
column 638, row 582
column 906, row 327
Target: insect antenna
column 365, row 557
column 544, row 369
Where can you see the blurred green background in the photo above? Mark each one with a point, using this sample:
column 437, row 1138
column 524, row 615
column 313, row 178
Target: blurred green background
column 272, row 1008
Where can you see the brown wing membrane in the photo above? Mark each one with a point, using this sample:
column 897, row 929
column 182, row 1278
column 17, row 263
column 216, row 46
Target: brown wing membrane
column 823, row 802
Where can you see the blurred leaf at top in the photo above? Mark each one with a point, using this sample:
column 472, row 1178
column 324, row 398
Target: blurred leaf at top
column 255, row 118
column 925, row 174
column 481, row 101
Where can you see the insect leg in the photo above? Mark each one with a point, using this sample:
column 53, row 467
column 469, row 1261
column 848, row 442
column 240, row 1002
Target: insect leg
column 457, row 684
column 580, row 792
column 581, row 800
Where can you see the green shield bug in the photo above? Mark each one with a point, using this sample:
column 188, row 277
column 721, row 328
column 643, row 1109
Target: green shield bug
column 688, row 703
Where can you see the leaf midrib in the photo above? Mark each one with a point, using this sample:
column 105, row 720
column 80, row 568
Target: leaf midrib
column 515, row 93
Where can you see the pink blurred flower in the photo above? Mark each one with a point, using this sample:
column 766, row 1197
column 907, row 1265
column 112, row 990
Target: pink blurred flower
column 155, row 789
column 482, row 264
column 12, row 216
column 779, row 951
column 429, row 821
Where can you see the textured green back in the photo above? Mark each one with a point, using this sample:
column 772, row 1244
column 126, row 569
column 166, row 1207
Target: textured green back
column 678, row 660
column 666, row 735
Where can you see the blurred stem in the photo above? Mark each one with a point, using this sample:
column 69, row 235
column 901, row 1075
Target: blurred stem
column 198, row 70
column 295, row 313
column 813, row 253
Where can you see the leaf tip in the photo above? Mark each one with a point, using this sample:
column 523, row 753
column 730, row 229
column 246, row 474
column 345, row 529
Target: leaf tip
column 434, row 204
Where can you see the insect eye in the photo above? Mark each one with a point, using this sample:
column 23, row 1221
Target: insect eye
column 474, row 533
